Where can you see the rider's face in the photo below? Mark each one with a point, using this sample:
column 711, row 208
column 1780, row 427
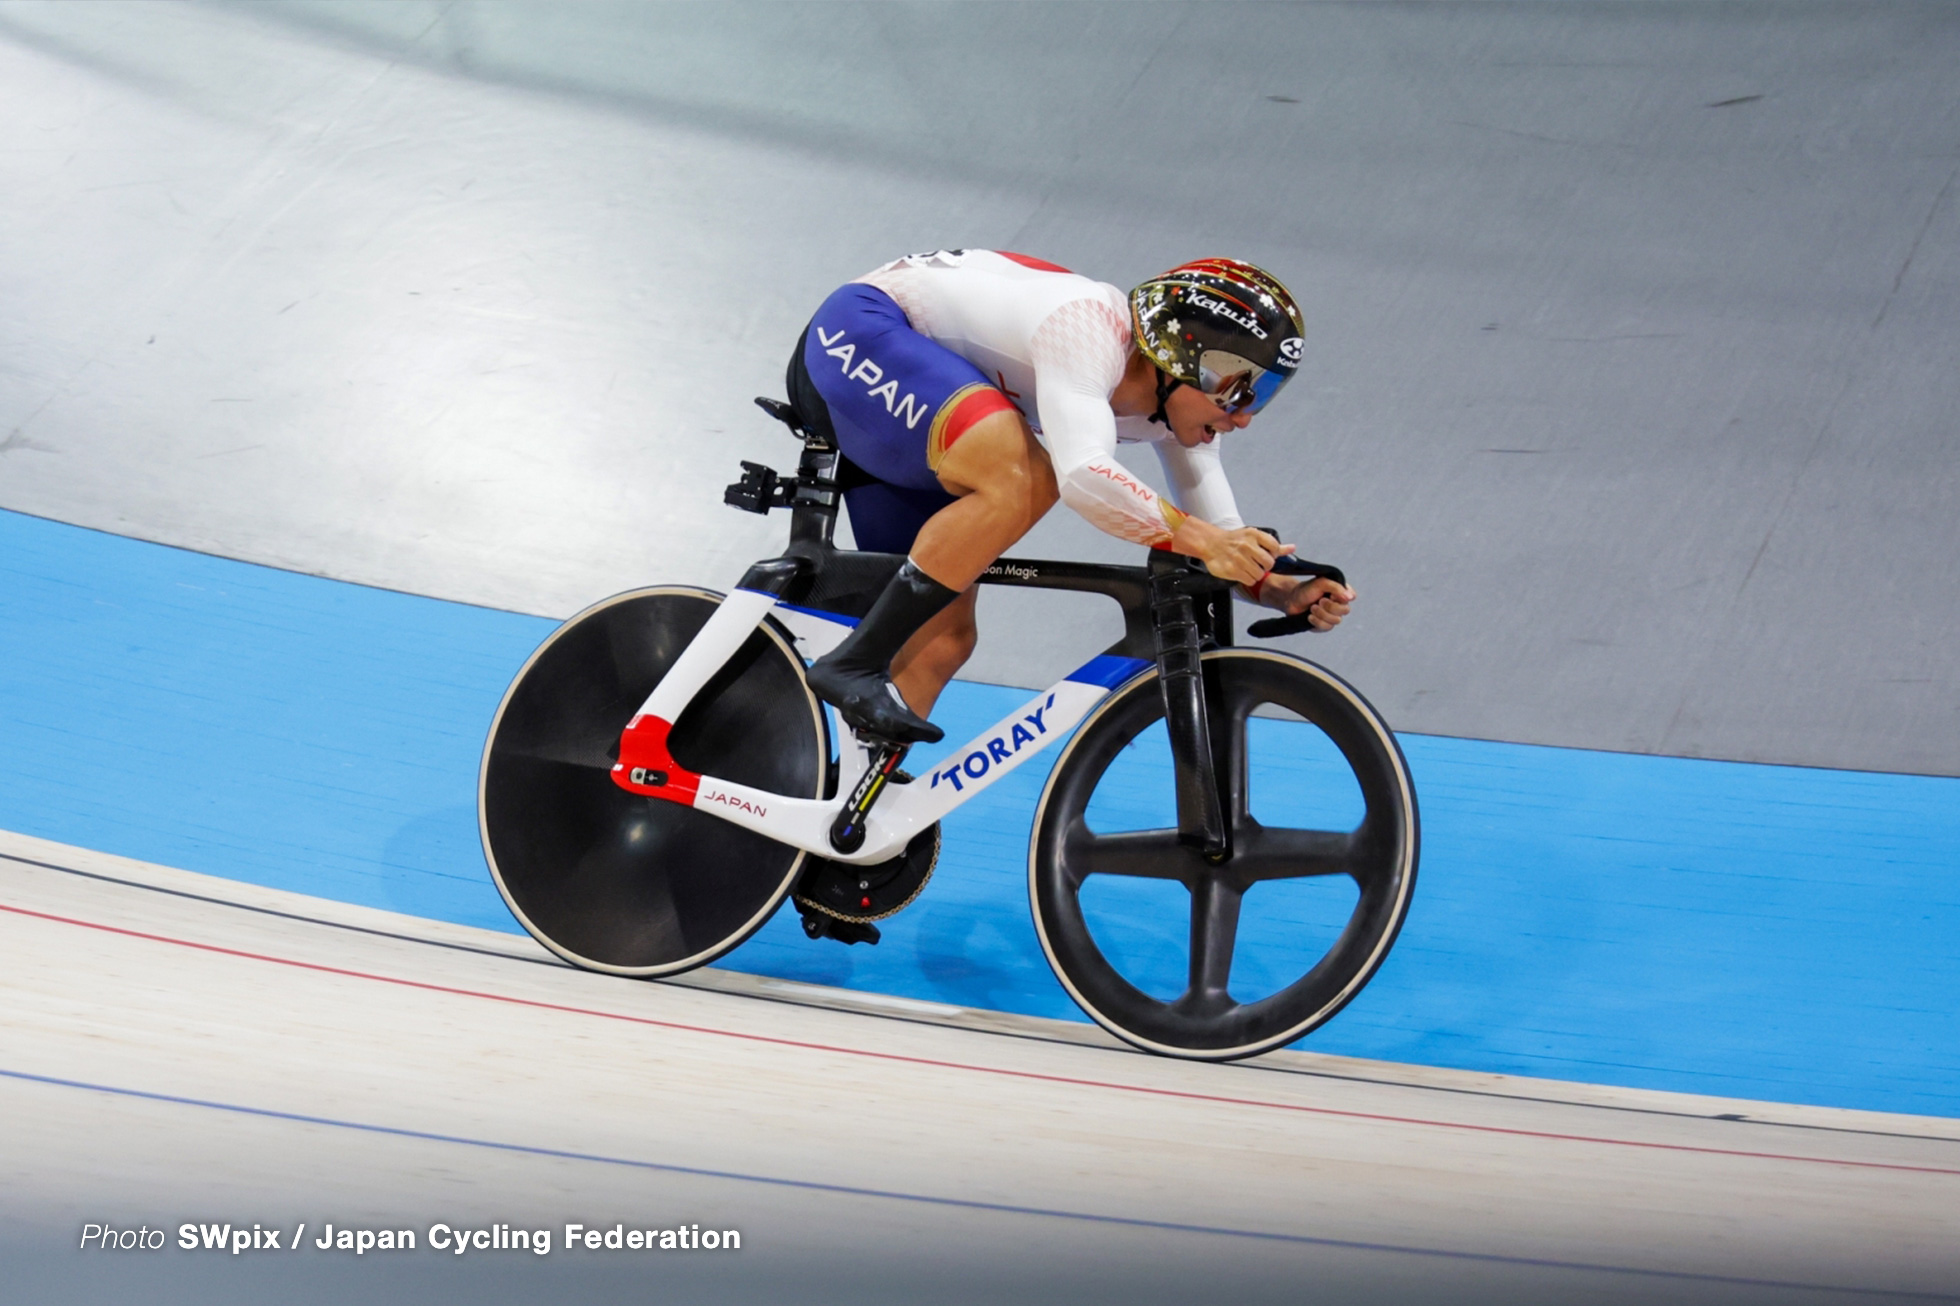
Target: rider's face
column 1194, row 419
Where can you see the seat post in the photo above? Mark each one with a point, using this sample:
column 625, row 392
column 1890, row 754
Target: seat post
column 813, row 509
column 812, row 498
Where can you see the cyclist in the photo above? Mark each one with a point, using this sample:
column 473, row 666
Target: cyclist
column 969, row 389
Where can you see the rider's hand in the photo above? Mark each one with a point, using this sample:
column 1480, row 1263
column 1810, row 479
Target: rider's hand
column 1242, row 555
column 1324, row 601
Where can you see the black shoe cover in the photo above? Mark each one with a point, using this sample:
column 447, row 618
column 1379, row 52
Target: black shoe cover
column 871, row 705
column 855, row 677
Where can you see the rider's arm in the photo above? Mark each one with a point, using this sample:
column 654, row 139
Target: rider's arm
column 1078, row 355
column 1196, row 478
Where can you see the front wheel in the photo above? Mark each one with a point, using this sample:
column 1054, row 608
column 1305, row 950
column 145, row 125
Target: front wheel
column 1339, row 826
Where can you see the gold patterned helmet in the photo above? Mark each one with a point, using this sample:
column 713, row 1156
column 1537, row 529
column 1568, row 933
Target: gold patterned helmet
column 1222, row 326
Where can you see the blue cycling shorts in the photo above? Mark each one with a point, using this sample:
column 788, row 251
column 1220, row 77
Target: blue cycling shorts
column 897, row 401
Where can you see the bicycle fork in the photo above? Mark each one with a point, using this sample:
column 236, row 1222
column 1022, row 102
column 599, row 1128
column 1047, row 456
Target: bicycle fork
column 1180, row 674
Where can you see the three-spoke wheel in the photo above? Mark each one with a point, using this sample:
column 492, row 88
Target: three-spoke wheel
column 1346, row 815
column 613, row 881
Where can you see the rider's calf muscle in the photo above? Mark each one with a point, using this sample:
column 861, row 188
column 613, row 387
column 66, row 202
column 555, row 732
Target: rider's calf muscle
column 934, row 656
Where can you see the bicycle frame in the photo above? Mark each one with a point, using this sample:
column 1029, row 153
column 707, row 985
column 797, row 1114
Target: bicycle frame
column 1169, row 612
column 647, row 767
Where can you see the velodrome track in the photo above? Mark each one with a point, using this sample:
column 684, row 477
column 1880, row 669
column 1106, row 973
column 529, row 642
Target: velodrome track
column 222, row 1053
column 1630, row 410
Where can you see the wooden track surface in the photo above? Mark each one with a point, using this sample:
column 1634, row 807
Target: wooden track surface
column 183, row 1049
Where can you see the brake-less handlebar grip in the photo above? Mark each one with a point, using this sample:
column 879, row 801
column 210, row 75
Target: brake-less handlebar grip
column 1289, row 565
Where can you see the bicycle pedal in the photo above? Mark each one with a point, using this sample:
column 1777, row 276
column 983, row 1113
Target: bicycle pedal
column 818, row 926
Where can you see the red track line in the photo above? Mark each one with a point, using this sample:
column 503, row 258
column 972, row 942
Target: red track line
column 1182, row 1094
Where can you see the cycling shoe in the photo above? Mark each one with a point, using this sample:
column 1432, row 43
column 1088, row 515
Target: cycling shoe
column 870, row 704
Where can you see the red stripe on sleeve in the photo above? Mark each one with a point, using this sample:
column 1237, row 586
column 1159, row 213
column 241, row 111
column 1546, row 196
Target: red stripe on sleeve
column 1027, row 261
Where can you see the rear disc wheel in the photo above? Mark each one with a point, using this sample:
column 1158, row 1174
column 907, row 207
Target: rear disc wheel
column 614, row 881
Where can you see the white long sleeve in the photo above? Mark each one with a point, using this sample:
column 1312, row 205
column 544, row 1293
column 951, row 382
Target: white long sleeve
column 1078, row 354
column 1196, row 478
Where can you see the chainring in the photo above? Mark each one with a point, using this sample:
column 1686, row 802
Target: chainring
column 869, row 893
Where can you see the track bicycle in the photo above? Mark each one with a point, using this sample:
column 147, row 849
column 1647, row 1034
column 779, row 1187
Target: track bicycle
column 659, row 778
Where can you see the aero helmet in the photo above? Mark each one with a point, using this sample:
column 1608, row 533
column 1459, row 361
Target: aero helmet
column 1221, row 326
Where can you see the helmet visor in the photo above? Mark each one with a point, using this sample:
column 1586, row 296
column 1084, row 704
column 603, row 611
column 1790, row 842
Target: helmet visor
column 1236, row 384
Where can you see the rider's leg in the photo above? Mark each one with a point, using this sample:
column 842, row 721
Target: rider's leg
column 1006, row 484
column 934, row 655
column 856, row 675
column 913, row 415
column 885, row 518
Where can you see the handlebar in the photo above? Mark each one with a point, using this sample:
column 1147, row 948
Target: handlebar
column 1196, row 580
column 1272, row 627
